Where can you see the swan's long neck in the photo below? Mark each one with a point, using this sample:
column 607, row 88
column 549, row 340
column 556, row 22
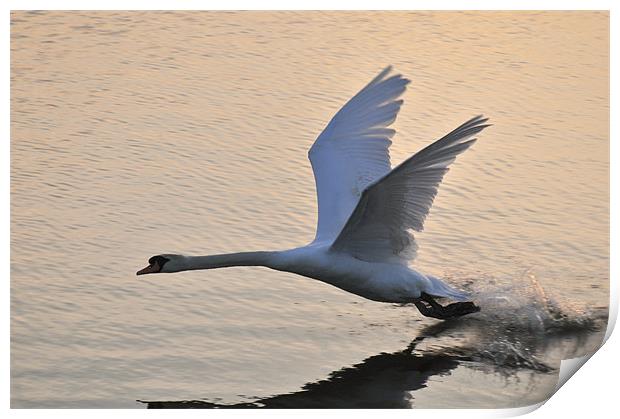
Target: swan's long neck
column 228, row 260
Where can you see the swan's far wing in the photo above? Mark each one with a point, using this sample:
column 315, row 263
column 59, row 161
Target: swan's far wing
column 379, row 228
column 353, row 151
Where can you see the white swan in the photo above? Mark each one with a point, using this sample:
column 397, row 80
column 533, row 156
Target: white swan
column 366, row 210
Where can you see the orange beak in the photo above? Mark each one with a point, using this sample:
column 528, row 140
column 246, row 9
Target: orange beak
column 151, row 269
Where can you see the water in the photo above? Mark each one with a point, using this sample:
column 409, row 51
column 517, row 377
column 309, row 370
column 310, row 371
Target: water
column 139, row 133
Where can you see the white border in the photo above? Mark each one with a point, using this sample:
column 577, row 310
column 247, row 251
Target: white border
column 590, row 393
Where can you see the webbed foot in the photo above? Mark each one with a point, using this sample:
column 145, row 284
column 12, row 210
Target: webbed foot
column 437, row 311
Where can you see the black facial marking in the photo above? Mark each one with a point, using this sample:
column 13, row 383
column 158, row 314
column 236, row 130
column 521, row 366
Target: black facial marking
column 160, row 260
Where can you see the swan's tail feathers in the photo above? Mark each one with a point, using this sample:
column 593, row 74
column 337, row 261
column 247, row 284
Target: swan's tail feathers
column 439, row 288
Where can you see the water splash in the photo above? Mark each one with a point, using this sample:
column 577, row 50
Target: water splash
column 523, row 305
column 520, row 327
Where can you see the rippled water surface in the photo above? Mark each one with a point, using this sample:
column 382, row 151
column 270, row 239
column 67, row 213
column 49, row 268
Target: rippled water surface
column 138, row 133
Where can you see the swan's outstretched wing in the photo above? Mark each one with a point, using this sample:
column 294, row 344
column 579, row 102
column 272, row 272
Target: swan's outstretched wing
column 379, row 227
column 352, row 151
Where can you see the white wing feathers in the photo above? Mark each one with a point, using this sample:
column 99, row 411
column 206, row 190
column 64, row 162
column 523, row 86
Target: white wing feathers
column 379, row 228
column 352, row 151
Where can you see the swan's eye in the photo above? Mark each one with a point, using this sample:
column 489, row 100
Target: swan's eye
column 159, row 259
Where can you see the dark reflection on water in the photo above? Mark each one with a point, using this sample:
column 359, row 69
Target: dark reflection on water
column 381, row 381
column 387, row 380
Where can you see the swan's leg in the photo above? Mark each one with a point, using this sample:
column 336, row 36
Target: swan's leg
column 436, row 310
column 431, row 311
column 425, row 310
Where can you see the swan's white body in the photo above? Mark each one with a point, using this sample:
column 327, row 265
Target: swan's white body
column 367, row 210
column 378, row 281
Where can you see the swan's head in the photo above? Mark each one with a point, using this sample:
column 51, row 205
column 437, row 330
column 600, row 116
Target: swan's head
column 163, row 264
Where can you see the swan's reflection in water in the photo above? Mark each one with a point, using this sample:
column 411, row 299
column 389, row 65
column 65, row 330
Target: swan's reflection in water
column 381, row 381
column 389, row 380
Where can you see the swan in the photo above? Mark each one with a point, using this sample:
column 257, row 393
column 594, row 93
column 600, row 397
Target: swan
column 366, row 209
